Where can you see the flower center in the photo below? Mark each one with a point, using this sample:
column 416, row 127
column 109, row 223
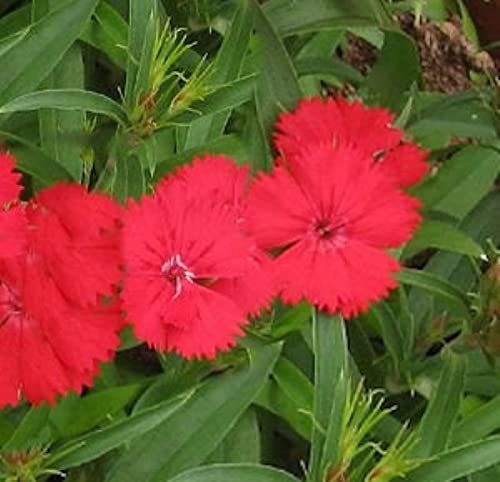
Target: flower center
column 332, row 234
column 324, row 229
column 176, row 272
column 10, row 303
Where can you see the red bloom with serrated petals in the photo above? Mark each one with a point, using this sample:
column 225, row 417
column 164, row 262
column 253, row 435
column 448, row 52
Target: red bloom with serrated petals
column 317, row 121
column 192, row 275
column 331, row 215
column 9, row 180
column 59, row 265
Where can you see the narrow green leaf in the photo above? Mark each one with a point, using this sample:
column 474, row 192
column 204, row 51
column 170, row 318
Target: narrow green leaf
column 186, row 439
column 436, row 285
column 14, row 22
column 29, row 431
column 61, row 130
column 390, row 330
column 276, row 401
column 479, row 423
column 330, row 378
column 396, row 70
column 459, row 462
column 146, row 59
column 129, row 180
column 278, row 87
column 74, row 414
column 436, row 426
column 234, row 473
column 108, row 32
column 436, row 234
column 7, row 43
column 67, row 99
column 464, row 114
column 462, row 181
column 141, row 12
column 292, row 18
column 226, row 68
column 33, row 161
column 242, row 443
column 330, row 66
column 294, row 384
column 29, row 62
column 95, row 444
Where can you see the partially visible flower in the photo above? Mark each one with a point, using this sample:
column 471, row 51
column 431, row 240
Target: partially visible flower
column 192, row 275
column 9, row 180
column 317, row 121
column 330, row 216
column 59, row 268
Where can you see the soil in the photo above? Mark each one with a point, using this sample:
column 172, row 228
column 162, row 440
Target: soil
column 446, row 55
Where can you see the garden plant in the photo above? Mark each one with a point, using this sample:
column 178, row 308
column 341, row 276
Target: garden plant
column 249, row 241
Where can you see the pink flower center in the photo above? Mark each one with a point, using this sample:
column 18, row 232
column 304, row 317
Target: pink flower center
column 332, row 234
column 10, row 303
column 176, row 272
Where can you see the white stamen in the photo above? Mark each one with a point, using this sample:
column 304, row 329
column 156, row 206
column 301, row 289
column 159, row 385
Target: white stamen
column 177, row 271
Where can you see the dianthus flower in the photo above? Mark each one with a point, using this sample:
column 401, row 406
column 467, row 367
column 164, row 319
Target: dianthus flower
column 192, row 275
column 330, row 216
column 59, row 266
column 317, row 121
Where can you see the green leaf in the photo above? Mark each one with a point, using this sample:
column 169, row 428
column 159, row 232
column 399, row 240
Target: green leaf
column 7, row 43
column 29, row 62
column 330, row 66
column 278, row 87
column 436, row 234
column 330, row 390
column 290, row 17
column 464, row 114
column 459, row 462
column 242, row 443
column 74, row 414
column 390, row 330
column 479, row 423
column 141, row 14
column 186, row 439
column 436, row 426
column 226, row 68
column 293, row 319
column 108, row 32
column 234, row 473
column 129, row 180
column 276, row 401
column 294, row 384
column 67, row 99
column 397, row 68
column 15, row 22
column 461, row 182
column 437, row 286
column 33, row 161
column 30, row 430
column 95, row 444
column 61, row 130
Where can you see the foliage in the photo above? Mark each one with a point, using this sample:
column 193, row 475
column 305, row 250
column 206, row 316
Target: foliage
column 114, row 94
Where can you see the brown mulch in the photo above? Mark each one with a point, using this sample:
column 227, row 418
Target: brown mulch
column 446, row 55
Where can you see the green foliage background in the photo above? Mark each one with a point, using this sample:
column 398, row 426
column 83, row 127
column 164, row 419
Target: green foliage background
column 86, row 95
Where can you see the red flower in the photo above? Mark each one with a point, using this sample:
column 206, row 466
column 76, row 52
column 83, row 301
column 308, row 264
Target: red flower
column 318, row 121
column 9, row 180
column 59, row 262
column 192, row 275
column 331, row 215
